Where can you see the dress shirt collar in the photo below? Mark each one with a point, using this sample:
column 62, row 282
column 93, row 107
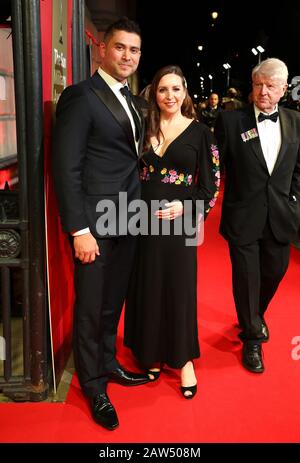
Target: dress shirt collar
column 114, row 84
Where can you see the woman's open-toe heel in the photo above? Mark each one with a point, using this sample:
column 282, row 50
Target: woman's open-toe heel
column 188, row 392
column 191, row 389
column 153, row 375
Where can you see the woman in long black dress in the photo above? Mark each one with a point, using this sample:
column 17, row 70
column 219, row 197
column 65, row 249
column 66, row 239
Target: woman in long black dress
column 180, row 163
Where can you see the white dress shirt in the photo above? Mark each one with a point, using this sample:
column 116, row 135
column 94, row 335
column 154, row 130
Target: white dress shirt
column 270, row 138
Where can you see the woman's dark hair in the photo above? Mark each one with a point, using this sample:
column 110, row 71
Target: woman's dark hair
column 153, row 119
column 123, row 24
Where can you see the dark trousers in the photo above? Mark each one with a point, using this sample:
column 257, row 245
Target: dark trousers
column 257, row 269
column 100, row 288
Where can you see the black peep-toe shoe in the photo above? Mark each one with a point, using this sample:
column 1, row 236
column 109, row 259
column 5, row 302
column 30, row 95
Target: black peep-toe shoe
column 155, row 374
column 192, row 389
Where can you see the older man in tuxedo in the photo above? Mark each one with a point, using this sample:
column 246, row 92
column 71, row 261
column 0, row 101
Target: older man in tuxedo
column 97, row 140
column 260, row 147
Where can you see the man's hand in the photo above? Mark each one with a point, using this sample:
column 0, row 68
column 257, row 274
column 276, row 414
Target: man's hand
column 86, row 248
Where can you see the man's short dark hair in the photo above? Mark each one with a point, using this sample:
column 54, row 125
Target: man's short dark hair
column 123, row 24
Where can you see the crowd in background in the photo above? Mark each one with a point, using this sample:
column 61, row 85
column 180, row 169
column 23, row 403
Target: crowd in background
column 209, row 108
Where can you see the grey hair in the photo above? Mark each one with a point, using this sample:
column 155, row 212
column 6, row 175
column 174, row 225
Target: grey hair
column 273, row 68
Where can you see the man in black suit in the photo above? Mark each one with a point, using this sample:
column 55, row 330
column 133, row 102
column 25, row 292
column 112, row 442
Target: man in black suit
column 209, row 114
column 260, row 147
column 98, row 136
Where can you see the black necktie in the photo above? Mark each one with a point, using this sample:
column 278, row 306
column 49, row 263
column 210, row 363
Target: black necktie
column 126, row 92
column 273, row 117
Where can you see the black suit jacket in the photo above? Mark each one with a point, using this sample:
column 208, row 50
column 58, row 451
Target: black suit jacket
column 251, row 194
column 94, row 155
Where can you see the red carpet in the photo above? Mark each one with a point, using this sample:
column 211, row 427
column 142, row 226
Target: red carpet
column 232, row 405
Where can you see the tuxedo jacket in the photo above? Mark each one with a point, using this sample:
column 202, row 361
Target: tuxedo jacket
column 94, row 154
column 251, row 194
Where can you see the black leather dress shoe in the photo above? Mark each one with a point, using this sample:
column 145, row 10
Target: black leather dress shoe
column 127, row 378
column 103, row 411
column 252, row 357
column 265, row 331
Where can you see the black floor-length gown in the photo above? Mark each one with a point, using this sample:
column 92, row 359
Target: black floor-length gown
column 161, row 307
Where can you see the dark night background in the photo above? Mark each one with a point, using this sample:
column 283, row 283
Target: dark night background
column 172, row 31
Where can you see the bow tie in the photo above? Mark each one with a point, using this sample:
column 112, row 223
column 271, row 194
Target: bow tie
column 273, row 117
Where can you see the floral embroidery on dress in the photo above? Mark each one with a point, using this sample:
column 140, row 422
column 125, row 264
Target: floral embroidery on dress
column 215, row 158
column 169, row 176
column 172, row 176
column 145, row 173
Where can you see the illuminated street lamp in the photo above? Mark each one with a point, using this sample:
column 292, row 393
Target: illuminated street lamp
column 227, row 67
column 214, row 15
column 211, row 82
column 258, row 51
column 202, row 84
